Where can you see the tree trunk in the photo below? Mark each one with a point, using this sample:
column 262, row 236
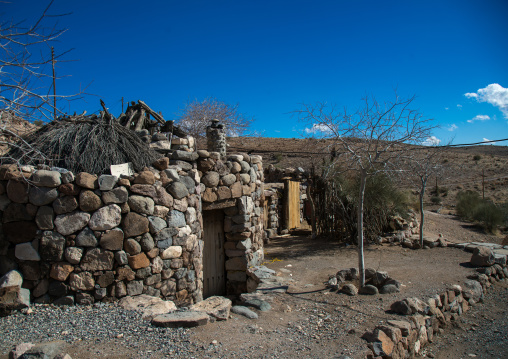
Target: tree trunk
column 422, row 215
column 312, row 212
column 361, row 257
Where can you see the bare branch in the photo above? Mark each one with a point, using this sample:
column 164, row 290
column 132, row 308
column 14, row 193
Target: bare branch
column 196, row 116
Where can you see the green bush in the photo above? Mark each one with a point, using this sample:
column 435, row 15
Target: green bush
column 435, row 200
column 489, row 215
column 337, row 205
column 466, row 204
column 473, row 208
column 477, row 158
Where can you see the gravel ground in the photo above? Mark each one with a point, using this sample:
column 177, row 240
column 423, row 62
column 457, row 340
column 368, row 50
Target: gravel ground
column 480, row 333
column 97, row 324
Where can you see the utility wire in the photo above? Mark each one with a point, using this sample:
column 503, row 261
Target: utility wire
column 421, row 147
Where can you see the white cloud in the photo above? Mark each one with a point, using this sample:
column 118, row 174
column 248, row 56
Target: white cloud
column 446, row 108
column 495, row 94
column 318, row 128
column 452, row 128
column 276, row 131
column 485, row 139
column 459, row 105
column 431, row 141
column 479, row 118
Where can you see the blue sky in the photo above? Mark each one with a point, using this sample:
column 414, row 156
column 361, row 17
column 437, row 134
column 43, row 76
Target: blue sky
column 270, row 56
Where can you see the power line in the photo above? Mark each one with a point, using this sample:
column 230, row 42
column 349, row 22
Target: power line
column 421, row 147
column 473, row 144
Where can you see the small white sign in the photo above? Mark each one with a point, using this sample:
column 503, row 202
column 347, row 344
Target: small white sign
column 123, row 169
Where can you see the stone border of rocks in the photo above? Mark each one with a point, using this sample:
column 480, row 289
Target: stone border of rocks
column 425, row 319
column 376, row 282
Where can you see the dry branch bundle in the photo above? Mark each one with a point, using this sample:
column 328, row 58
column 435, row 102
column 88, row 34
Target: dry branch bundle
column 84, row 144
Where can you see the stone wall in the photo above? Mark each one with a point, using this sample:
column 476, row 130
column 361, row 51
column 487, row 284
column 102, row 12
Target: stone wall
column 82, row 238
column 273, row 199
column 421, row 320
column 234, row 184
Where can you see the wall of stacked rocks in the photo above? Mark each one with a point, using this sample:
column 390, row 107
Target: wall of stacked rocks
column 234, row 184
column 421, row 321
column 273, row 199
column 82, row 238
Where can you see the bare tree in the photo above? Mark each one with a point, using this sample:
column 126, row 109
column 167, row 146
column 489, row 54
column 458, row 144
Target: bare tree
column 369, row 140
column 196, row 116
column 27, row 61
column 421, row 164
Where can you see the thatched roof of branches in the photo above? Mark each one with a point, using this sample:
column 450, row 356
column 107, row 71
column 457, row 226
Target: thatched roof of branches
column 85, row 144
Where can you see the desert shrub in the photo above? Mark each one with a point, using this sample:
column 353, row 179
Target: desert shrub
column 337, row 205
column 489, row 215
column 435, row 200
column 277, row 157
column 472, row 207
column 439, row 191
column 466, row 203
column 477, row 158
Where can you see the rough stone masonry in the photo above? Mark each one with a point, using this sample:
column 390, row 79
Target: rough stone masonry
column 80, row 238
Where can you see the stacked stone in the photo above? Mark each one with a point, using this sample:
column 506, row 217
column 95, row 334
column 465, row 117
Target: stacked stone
column 274, row 174
column 216, row 138
column 85, row 238
column 160, row 142
column 235, row 185
column 403, row 231
column 274, row 206
column 425, row 319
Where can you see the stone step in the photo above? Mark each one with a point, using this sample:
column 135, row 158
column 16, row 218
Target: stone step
column 186, row 319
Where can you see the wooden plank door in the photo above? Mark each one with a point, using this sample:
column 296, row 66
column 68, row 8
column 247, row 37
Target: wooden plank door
column 214, row 272
column 292, row 204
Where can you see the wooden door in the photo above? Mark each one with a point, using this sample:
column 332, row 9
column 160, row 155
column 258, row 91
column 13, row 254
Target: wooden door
column 266, row 213
column 214, row 272
column 292, row 204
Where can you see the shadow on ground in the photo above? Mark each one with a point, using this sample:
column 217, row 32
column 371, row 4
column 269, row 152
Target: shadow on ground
column 295, row 246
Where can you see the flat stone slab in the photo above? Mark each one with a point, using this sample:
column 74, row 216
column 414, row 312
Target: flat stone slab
column 180, row 320
column 266, row 288
column 459, row 245
column 490, row 245
column 503, row 251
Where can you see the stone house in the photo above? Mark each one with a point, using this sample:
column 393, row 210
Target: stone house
column 187, row 227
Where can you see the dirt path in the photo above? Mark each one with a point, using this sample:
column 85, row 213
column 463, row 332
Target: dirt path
column 455, row 230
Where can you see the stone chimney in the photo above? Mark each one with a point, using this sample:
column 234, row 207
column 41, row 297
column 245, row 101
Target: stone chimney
column 216, row 137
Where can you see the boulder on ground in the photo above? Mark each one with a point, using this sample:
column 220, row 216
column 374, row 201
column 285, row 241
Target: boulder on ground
column 246, row 312
column 148, row 305
column 482, row 257
column 349, row 289
column 14, row 298
column 216, row 306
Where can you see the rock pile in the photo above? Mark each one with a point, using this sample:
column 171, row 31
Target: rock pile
column 376, row 282
column 425, row 319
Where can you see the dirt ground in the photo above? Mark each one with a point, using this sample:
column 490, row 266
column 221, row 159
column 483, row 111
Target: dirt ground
column 310, row 321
